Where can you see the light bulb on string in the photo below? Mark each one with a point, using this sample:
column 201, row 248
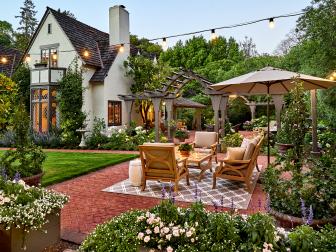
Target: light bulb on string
column 86, row 53
column 27, row 59
column 331, row 78
column 4, row 60
column 121, row 48
column 271, row 23
column 213, row 35
column 164, row 44
column 334, row 75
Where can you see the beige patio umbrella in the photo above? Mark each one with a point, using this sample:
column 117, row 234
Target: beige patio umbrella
column 270, row 80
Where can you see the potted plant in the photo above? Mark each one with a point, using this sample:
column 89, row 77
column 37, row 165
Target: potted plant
column 181, row 135
column 29, row 216
column 172, row 128
column 41, row 64
column 27, row 159
column 301, row 188
column 185, row 149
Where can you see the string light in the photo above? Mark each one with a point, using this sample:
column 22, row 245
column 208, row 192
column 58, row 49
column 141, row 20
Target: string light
column 271, row 23
column 86, row 53
column 4, row 60
column 213, row 35
column 164, row 44
column 334, row 74
column 331, row 78
column 27, row 59
column 54, row 56
column 122, row 48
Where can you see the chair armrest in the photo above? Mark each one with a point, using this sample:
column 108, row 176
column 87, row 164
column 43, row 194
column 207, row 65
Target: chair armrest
column 235, row 162
column 214, row 147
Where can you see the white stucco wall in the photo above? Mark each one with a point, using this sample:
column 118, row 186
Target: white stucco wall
column 117, row 83
column 56, row 37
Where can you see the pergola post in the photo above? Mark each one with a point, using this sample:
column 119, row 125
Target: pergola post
column 216, row 101
column 128, row 106
column 156, row 104
column 198, row 119
column 313, row 100
column 252, row 106
column 223, row 108
column 170, row 108
column 278, row 103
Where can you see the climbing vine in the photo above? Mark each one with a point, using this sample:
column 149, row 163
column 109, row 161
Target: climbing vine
column 70, row 99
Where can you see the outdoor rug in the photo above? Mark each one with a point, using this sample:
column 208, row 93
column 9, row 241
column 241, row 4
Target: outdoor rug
column 227, row 193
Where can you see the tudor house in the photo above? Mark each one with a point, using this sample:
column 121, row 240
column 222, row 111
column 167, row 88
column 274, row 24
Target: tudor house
column 58, row 41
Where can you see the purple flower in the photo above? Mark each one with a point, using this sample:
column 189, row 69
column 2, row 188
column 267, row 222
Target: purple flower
column 17, row 177
column 4, row 173
column 310, row 216
column 303, row 209
column 214, row 203
column 268, row 203
column 232, row 204
column 222, row 202
column 196, row 192
column 163, row 191
column 259, row 203
column 170, row 190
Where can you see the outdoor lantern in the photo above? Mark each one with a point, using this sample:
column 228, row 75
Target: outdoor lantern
column 54, row 56
column 27, row 59
column 86, row 53
column 4, row 60
column 271, row 23
column 122, row 48
column 213, row 34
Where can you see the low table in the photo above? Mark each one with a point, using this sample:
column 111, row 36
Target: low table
column 202, row 161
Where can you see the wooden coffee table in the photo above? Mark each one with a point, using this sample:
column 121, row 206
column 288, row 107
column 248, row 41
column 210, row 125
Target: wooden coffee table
column 202, row 161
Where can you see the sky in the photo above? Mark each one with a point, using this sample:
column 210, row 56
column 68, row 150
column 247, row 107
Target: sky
column 159, row 18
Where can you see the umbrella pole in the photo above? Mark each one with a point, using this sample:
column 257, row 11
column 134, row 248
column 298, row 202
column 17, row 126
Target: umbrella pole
column 268, row 126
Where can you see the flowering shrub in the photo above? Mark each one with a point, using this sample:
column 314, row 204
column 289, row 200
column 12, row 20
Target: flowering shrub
column 232, row 140
column 26, row 207
column 167, row 227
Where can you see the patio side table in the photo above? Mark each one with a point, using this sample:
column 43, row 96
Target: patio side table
column 135, row 172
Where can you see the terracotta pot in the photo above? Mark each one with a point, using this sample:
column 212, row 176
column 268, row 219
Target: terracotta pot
column 283, row 148
column 185, row 153
column 288, row 221
column 34, row 180
column 36, row 240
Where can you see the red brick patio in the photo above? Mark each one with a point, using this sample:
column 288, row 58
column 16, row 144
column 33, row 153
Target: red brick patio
column 90, row 206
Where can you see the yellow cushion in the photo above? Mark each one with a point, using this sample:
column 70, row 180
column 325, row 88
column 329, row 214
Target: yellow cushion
column 235, row 153
column 249, row 150
column 205, row 139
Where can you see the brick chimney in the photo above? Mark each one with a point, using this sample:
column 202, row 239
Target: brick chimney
column 119, row 25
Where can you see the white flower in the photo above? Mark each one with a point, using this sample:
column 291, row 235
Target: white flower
column 170, row 249
column 165, row 230
column 328, row 145
column 176, row 232
column 156, row 230
column 147, row 238
column 148, row 231
column 140, row 235
column 196, row 223
column 192, row 240
column 168, row 236
column 152, row 250
column 189, row 233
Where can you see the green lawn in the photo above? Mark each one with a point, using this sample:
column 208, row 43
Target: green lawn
column 61, row 166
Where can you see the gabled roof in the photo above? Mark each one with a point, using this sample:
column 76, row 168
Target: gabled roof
column 13, row 57
column 84, row 37
column 186, row 103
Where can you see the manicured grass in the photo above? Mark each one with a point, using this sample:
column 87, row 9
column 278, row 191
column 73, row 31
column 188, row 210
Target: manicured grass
column 61, row 166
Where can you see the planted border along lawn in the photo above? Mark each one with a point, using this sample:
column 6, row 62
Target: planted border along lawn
column 61, row 166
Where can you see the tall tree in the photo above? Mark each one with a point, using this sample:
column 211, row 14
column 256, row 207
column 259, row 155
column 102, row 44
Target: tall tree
column 28, row 23
column 146, row 75
column 6, row 34
column 248, row 47
column 21, row 77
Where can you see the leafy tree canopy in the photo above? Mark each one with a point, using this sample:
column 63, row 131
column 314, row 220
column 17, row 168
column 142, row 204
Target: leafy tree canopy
column 6, row 34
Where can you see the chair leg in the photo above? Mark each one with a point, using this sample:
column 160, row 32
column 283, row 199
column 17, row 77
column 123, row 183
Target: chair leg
column 143, row 185
column 176, row 186
column 187, row 178
column 216, row 158
column 249, row 187
column 257, row 166
column 214, row 181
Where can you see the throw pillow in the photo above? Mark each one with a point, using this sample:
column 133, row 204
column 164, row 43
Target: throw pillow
column 235, row 153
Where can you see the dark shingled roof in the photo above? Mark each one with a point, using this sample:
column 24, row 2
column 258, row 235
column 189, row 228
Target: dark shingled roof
column 186, row 103
column 84, row 37
column 13, row 57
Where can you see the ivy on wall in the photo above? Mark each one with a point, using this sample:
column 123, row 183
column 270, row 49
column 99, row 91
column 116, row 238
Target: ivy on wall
column 70, row 100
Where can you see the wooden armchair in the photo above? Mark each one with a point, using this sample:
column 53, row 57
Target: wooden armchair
column 206, row 142
column 159, row 163
column 239, row 170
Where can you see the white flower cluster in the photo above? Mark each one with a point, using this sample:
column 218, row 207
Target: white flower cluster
column 162, row 234
column 26, row 207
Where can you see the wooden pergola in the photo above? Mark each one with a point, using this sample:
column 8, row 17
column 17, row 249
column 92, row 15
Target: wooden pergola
column 171, row 90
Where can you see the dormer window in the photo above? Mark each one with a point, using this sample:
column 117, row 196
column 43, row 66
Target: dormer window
column 49, row 56
column 49, row 28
